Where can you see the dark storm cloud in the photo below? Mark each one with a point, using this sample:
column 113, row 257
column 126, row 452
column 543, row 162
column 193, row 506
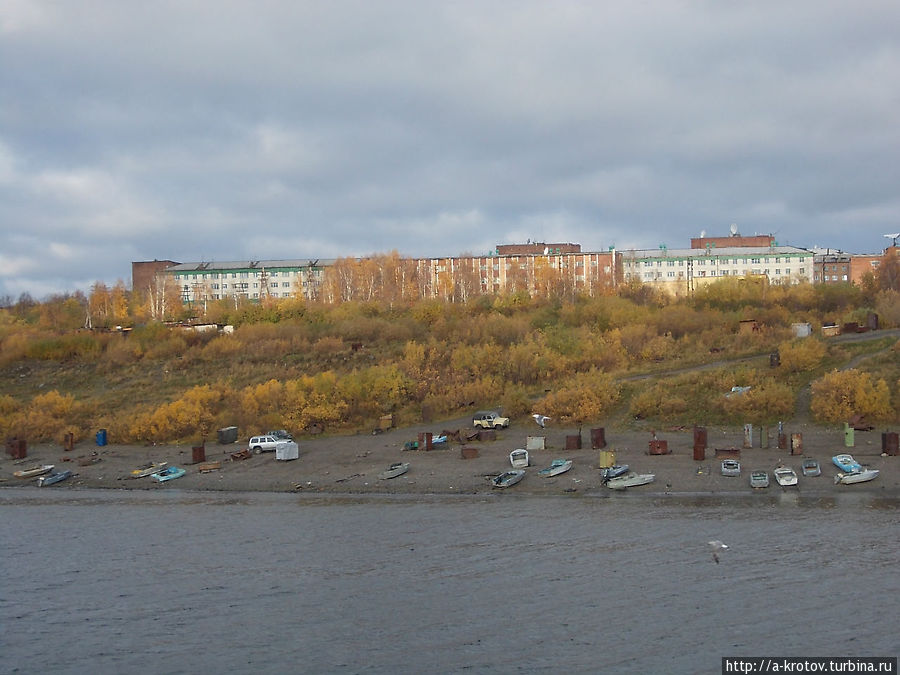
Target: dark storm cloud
column 198, row 130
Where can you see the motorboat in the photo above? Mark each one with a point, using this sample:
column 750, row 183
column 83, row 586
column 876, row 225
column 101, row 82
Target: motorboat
column 34, row 471
column 557, row 466
column 508, row 478
column 613, row 471
column 52, row 478
column 810, row 467
column 861, row 476
column 394, row 470
column 630, row 479
column 785, row 476
column 731, row 467
column 519, row 458
column 846, row 463
column 167, row 474
column 759, row 479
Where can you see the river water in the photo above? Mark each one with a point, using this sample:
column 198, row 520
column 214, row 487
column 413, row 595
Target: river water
column 110, row 581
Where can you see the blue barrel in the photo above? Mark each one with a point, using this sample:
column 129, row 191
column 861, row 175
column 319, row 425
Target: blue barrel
column 101, row 437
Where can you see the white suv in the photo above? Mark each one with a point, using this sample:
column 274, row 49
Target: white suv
column 260, row 444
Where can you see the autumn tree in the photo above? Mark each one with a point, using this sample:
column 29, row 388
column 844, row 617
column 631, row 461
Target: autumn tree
column 839, row 395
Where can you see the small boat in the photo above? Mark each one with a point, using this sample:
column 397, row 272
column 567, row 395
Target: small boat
column 519, row 458
column 34, row 471
column 759, row 479
column 557, row 466
column 810, row 467
column 613, row 471
column 169, row 473
column 855, row 477
column 145, row 471
column 394, row 470
column 630, row 479
column 54, row 478
column 731, row 467
column 846, row 463
column 508, row 478
column 785, row 476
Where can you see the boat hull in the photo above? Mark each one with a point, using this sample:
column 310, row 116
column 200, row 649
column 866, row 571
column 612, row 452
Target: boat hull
column 630, row 480
column 785, row 477
column 53, row 478
column 394, row 470
column 508, row 478
column 35, row 472
column 556, row 468
column 171, row 473
column 863, row 476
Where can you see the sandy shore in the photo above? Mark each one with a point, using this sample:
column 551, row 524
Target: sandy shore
column 351, row 464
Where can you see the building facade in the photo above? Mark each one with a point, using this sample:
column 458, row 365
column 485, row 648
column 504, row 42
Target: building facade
column 681, row 271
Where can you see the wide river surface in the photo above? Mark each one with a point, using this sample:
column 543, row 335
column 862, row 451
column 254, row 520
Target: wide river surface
column 111, row 581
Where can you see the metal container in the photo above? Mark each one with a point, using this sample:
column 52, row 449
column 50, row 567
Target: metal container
column 227, row 435
column 607, row 458
column 198, row 454
column 573, row 442
column 797, row 444
column 659, row 447
column 598, row 438
column 101, row 437
column 890, row 443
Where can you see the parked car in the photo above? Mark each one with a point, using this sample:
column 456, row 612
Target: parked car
column 488, row 419
column 266, row 443
column 280, row 434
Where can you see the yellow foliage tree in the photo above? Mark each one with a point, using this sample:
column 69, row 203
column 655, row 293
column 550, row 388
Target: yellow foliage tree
column 192, row 414
column 48, row 417
column 839, row 395
column 583, row 397
column 801, row 355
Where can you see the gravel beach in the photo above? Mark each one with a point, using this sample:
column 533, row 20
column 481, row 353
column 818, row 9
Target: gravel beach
column 351, row 464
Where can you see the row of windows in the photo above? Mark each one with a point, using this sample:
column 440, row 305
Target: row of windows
column 241, row 275
column 712, row 273
column 717, row 261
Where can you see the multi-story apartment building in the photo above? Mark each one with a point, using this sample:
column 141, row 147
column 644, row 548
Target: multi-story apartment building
column 535, row 268
column 253, row 279
column 680, row 271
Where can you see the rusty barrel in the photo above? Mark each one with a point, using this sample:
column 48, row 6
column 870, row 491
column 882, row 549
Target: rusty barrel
column 598, row 438
column 198, row 454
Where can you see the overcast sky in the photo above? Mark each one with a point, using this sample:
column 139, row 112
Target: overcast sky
column 211, row 131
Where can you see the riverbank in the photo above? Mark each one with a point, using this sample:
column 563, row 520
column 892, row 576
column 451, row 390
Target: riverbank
column 351, row 464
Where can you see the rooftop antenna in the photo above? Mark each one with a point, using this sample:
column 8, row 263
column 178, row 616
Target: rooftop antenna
column 893, row 237
column 733, row 228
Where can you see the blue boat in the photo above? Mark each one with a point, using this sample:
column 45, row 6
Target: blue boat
column 557, row 466
column 54, row 478
column 614, row 471
column 170, row 473
column 846, row 463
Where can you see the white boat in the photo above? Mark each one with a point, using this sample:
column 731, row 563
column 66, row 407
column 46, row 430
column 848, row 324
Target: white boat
column 785, row 476
column 508, row 478
column 34, row 471
column 630, row 479
column 394, row 470
column 519, row 458
column 856, row 477
column 731, row 467
column 557, row 466
column 759, row 479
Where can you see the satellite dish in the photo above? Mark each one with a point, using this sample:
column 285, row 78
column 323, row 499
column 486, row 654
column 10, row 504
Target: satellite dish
column 894, row 237
column 702, row 233
column 733, row 229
